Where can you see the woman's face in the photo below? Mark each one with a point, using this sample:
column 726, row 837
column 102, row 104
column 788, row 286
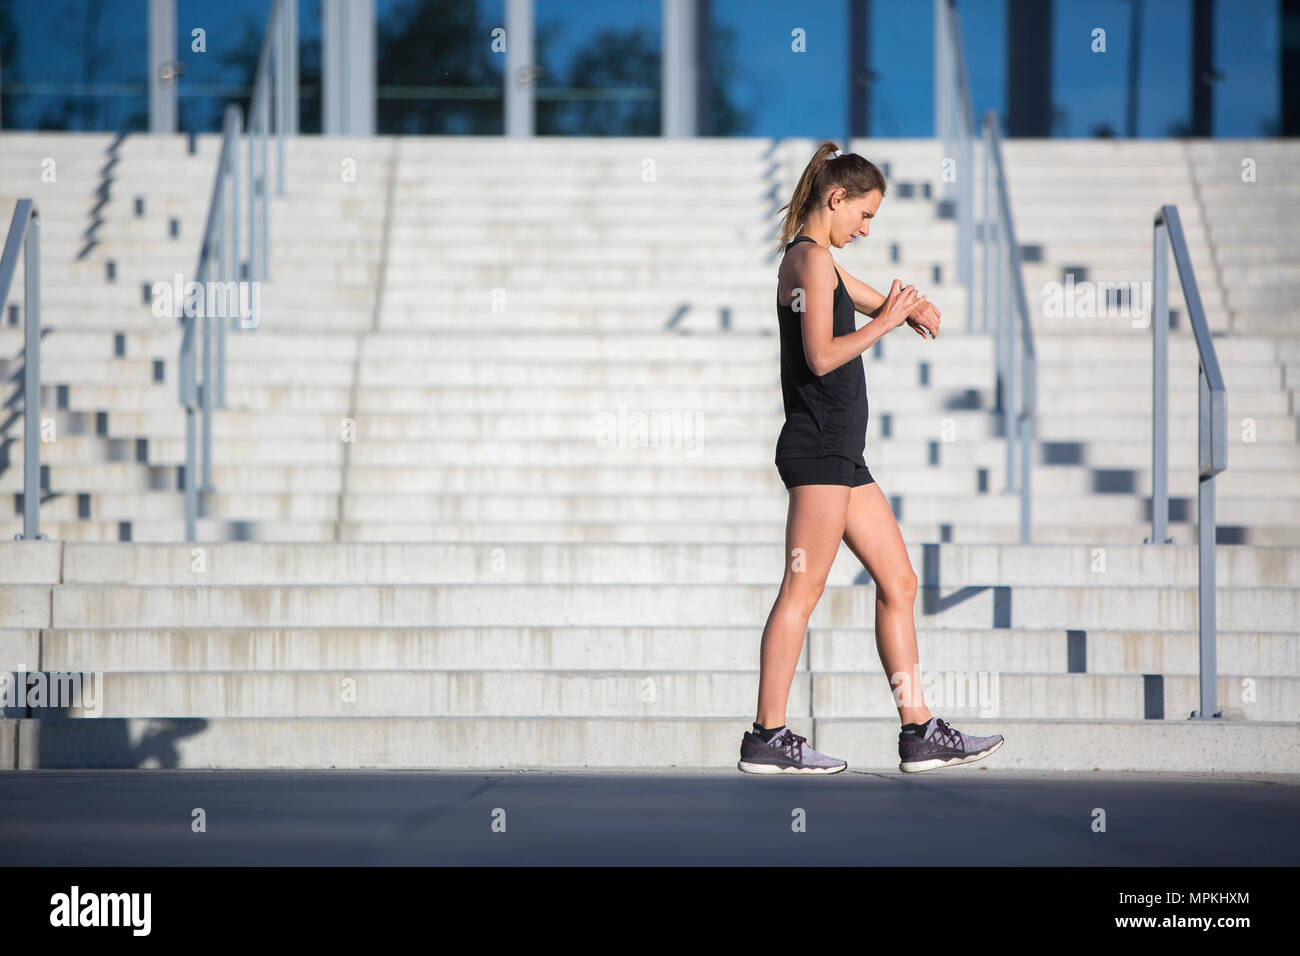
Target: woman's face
column 852, row 217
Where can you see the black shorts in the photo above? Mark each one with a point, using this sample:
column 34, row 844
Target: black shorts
column 831, row 470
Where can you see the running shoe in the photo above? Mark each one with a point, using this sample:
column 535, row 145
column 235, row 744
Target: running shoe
column 786, row 752
column 942, row 746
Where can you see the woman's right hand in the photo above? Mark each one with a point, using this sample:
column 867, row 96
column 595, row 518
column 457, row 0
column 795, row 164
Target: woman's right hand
column 900, row 301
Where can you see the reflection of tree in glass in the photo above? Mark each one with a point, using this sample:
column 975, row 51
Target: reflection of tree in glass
column 239, row 63
column 443, row 43
column 625, row 64
column 729, row 118
column 622, row 65
column 437, row 43
column 85, row 62
column 421, row 45
column 92, row 62
column 10, row 68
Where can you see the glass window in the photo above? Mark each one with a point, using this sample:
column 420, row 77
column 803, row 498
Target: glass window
column 984, row 42
column 435, row 68
column 217, row 46
column 779, row 68
column 1091, row 89
column 74, row 65
column 1247, row 60
column 600, row 67
column 902, row 64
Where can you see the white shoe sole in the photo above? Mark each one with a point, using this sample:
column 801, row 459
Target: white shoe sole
column 772, row 768
column 938, row 762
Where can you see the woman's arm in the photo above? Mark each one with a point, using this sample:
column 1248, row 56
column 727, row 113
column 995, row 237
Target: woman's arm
column 823, row 350
column 923, row 317
column 865, row 299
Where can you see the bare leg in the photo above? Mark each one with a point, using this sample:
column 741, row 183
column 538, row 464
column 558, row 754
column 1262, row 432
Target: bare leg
column 813, row 530
column 871, row 532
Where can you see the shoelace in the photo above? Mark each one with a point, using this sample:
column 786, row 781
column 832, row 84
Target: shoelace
column 948, row 733
column 793, row 742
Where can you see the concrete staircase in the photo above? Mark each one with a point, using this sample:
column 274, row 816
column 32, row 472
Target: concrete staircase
column 502, row 448
column 1085, row 208
column 479, row 655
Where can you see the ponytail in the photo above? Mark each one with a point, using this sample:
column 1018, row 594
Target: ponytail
column 857, row 175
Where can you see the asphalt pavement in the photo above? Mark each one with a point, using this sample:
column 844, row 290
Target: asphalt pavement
column 961, row 816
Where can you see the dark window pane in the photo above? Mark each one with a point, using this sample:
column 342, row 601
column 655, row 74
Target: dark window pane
column 435, row 67
column 74, row 65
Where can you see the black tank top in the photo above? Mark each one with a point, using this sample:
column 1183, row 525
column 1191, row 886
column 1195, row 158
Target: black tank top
column 824, row 415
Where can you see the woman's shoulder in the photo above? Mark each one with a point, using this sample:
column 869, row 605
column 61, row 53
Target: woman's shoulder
column 801, row 265
column 806, row 256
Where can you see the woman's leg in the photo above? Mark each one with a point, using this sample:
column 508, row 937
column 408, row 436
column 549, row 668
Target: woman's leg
column 813, row 529
column 871, row 532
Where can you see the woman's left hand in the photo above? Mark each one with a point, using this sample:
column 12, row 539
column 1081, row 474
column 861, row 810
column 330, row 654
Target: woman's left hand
column 925, row 318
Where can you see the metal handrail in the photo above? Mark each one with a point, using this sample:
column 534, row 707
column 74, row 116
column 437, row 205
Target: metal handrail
column 262, row 116
column 220, row 231
column 1018, row 392
column 220, row 256
column 25, row 236
column 955, row 124
column 1212, row 434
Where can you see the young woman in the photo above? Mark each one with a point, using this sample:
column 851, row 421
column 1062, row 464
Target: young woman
column 819, row 457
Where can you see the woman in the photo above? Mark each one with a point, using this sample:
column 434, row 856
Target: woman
column 819, row 457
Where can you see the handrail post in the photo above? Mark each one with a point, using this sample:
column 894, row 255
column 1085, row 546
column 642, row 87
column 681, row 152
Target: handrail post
column 1205, row 532
column 985, row 230
column 1029, row 388
column 205, row 387
column 1002, row 343
column 1011, row 415
column 189, row 400
column 25, row 237
column 1160, row 388
column 263, row 198
column 237, row 190
column 32, row 378
column 253, row 261
column 1211, row 436
column 966, row 228
column 1018, row 394
column 229, row 263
